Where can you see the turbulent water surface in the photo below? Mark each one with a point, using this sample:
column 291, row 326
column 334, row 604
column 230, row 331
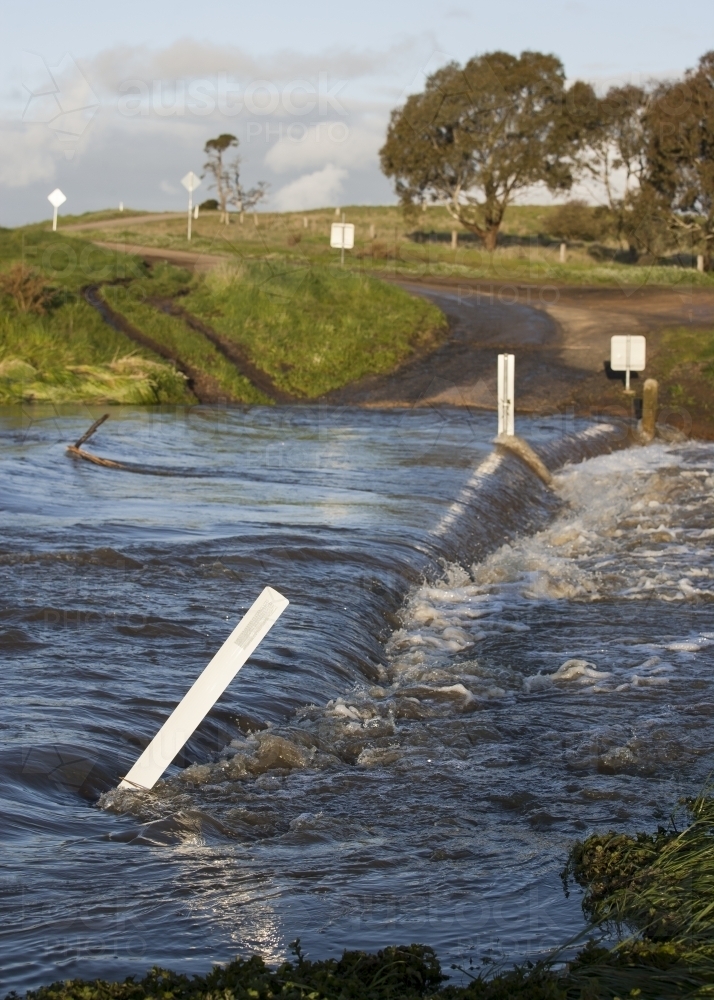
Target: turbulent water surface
column 473, row 672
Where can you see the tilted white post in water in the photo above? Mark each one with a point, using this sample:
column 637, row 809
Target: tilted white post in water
column 202, row 696
column 506, row 401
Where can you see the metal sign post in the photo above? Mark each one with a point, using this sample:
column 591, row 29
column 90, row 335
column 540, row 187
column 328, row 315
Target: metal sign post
column 628, row 354
column 205, row 692
column 56, row 198
column 190, row 182
column 506, row 400
column 342, row 237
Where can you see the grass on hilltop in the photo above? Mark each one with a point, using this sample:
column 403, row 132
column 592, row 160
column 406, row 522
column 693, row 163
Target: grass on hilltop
column 388, row 244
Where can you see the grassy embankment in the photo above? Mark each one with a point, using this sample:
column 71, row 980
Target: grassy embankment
column 654, row 892
column 282, row 298
column 684, row 367
column 528, row 250
column 309, row 328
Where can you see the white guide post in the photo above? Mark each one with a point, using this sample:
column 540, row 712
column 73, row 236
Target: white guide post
column 190, row 182
column 201, row 697
column 628, row 354
column 506, row 400
column 56, row 198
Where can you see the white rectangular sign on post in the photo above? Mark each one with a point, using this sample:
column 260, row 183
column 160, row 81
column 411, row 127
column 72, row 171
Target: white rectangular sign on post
column 628, row 354
column 207, row 689
column 342, row 236
column 506, row 402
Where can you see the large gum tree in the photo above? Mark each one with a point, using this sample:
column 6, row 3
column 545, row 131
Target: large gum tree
column 680, row 152
column 480, row 133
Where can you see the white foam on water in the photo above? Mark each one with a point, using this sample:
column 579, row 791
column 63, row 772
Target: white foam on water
column 633, row 528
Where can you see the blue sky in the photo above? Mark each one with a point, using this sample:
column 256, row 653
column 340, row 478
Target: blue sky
column 115, row 101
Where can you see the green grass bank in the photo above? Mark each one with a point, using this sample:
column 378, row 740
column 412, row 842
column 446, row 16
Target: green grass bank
column 308, row 327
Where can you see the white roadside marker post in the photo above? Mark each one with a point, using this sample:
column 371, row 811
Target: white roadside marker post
column 56, row 198
column 506, row 400
column 628, row 354
column 206, row 690
column 190, row 182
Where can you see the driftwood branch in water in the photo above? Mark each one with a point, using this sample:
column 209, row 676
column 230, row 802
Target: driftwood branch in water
column 77, row 451
column 89, row 457
column 85, row 437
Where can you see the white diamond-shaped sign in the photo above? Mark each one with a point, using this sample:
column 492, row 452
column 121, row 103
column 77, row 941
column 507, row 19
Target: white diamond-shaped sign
column 190, row 181
column 56, row 198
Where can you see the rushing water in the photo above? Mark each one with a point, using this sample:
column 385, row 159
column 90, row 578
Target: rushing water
column 473, row 672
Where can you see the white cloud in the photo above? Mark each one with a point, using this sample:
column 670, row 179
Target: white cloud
column 187, row 57
column 29, row 155
column 335, row 142
column 316, row 190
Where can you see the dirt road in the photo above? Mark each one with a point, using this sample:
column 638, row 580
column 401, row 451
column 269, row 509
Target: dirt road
column 560, row 336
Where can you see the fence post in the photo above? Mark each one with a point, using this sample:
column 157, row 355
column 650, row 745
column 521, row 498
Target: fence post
column 649, row 408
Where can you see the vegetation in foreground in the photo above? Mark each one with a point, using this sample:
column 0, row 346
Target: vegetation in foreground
column 298, row 327
column 653, row 892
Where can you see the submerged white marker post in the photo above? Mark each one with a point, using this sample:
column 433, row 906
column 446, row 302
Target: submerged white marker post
column 201, row 697
column 506, row 401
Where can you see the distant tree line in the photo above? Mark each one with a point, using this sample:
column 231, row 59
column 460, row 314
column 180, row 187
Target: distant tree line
column 480, row 134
